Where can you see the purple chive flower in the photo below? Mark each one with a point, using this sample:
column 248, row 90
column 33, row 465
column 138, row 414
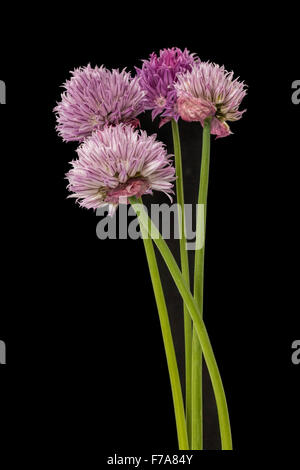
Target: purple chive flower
column 208, row 90
column 95, row 97
column 157, row 77
column 116, row 163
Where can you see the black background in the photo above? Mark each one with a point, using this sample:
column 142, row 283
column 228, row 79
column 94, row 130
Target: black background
column 86, row 372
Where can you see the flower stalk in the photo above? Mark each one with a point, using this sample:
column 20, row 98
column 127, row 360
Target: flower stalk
column 168, row 342
column 197, row 393
column 185, row 273
column 224, row 422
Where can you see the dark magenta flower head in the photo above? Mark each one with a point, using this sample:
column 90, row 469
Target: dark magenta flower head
column 97, row 97
column 157, row 77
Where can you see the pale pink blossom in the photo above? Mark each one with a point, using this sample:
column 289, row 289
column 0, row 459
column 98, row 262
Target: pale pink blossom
column 209, row 91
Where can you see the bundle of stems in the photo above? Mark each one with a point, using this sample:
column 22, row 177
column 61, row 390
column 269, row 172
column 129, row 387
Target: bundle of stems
column 189, row 417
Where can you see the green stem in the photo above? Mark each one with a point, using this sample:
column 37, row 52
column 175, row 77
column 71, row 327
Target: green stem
column 197, row 394
column 168, row 343
column 185, row 273
column 193, row 309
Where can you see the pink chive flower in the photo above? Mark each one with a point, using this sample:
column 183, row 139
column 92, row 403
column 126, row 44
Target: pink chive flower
column 116, row 163
column 208, row 90
column 96, row 97
column 157, row 77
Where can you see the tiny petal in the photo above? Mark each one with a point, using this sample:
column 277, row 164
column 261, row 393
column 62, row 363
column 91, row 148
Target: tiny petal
column 164, row 121
column 219, row 128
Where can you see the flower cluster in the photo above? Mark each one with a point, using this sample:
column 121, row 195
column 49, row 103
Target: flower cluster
column 157, row 78
column 208, row 90
column 95, row 97
column 119, row 162
column 99, row 108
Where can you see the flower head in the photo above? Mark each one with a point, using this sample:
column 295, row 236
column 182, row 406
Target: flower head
column 119, row 162
column 208, row 90
column 157, row 77
column 95, row 97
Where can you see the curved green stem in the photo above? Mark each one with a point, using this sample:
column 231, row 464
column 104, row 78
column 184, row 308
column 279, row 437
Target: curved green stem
column 185, row 273
column 197, row 394
column 168, row 343
column 193, row 309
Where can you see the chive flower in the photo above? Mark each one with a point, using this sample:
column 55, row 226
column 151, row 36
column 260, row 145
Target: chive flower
column 157, row 77
column 96, row 97
column 119, row 162
column 208, row 90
